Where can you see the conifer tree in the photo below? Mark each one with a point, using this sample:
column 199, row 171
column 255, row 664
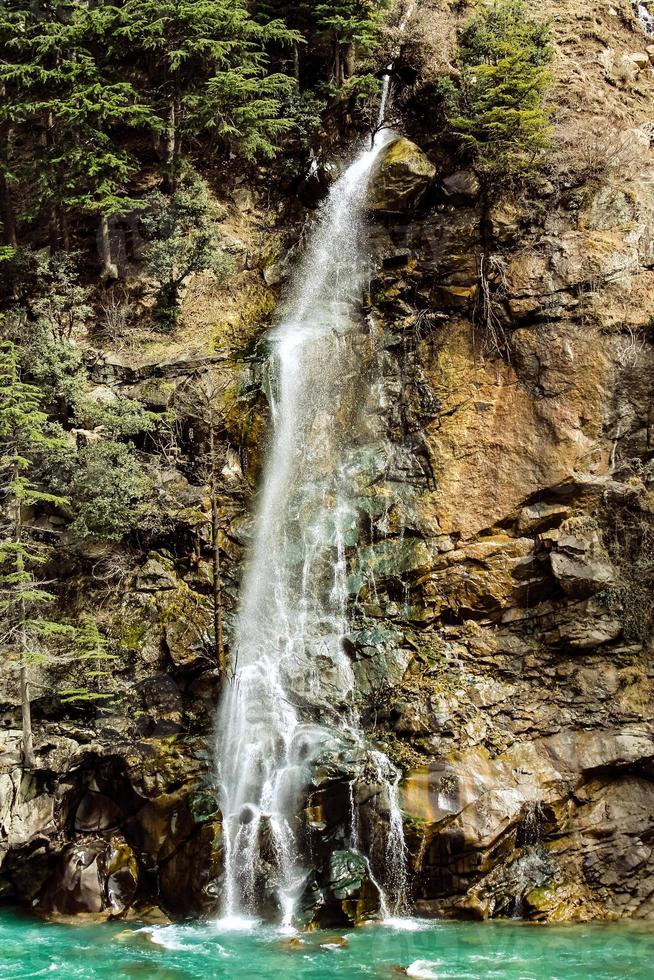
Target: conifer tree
column 505, row 54
column 22, row 432
column 349, row 24
column 182, row 240
column 61, row 94
column 206, row 72
column 89, row 650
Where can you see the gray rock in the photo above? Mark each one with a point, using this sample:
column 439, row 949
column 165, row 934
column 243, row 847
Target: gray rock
column 462, row 187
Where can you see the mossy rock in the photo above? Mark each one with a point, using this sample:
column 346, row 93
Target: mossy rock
column 391, row 558
column 400, row 179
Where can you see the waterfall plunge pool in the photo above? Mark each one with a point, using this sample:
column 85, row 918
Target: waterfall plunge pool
column 504, row 950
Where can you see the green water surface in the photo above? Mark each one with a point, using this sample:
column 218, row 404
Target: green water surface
column 456, row 951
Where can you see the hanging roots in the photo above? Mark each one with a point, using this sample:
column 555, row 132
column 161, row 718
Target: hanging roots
column 491, row 286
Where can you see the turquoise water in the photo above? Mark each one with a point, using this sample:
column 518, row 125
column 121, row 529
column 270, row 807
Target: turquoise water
column 446, row 951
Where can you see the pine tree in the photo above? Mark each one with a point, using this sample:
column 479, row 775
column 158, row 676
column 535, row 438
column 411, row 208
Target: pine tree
column 298, row 17
column 505, row 53
column 60, row 93
column 182, row 241
column 22, row 432
column 206, row 72
column 350, row 24
column 89, row 650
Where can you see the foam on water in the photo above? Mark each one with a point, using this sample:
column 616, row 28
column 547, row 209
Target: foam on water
column 424, row 969
column 408, row 924
column 450, row 950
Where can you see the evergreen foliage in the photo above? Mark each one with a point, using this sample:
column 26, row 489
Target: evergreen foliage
column 22, row 595
column 46, row 324
column 109, row 492
column 182, row 240
column 61, row 91
column 106, row 108
column 339, row 32
column 89, row 651
column 206, row 71
column 500, row 112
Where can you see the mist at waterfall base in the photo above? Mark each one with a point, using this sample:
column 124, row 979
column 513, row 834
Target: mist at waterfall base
column 445, row 950
column 290, row 706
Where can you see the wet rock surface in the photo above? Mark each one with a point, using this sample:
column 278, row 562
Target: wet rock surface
column 401, row 178
column 500, row 570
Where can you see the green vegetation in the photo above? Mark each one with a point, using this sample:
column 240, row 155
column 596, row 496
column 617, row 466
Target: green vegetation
column 206, row 71
column 335, row 36
column 91, row 92
column 89, row 649
column 119, row 122
column 22, row 432
column 110, row 491
column 182, row 241
column 29, row 637
column 499, row 109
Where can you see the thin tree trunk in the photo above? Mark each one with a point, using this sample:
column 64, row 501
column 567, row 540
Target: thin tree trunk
column 54, row 223
column 172, row 144
column 53, row 232
column 348, row 60
column 109, row 268
column 215, row 559
column 29, row 759
column 6, row 203
column 64, row 230
column 10, row 236
column 337, row 62
column 296, row 63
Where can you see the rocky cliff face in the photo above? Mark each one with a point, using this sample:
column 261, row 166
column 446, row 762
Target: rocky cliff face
column 501, row 583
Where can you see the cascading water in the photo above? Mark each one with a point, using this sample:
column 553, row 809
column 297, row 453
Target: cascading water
column 291, row 697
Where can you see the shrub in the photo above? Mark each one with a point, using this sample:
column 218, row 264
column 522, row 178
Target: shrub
column 183, row 241
column 504, row 55
column 109, row 492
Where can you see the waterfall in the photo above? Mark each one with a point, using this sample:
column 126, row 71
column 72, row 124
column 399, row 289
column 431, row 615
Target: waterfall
column 386, row 81
column 290, row 701
column 291, row 696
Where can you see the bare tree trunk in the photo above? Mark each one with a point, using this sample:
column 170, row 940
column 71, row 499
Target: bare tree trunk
column 53, row 232
column 215, row 559
column 109, row 268
column 29, row 759
column 54, row 212
column 337, row 62
column 8, row 214
column 172, row 144
column 64, row 230
column 296, row 62
column 348, row 61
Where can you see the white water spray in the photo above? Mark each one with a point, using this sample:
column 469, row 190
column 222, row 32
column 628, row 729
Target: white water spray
column 291, row 698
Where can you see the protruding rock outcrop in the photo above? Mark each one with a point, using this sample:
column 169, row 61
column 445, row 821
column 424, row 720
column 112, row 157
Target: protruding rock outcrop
column 401, row 178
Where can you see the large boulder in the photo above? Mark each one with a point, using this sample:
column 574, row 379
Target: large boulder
column 93, row 876
column 401, row 177
column 344, row 894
